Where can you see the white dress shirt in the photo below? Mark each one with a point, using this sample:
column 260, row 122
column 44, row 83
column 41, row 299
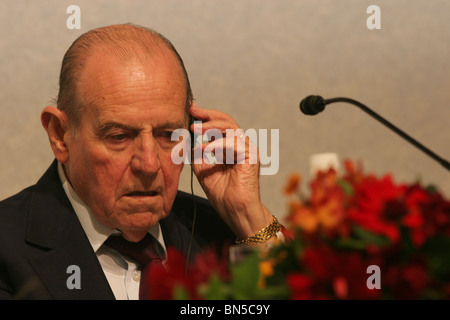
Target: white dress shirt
column 122, row 274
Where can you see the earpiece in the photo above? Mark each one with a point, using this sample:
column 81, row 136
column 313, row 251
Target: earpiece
column 191, row 121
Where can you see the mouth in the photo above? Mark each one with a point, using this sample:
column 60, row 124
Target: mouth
column 143, row 201
column 151, row 193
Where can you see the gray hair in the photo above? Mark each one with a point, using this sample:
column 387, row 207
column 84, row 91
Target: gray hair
column 125, row 40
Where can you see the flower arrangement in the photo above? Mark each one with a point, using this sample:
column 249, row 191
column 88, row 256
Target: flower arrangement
column 356, row 236
column 359, row 222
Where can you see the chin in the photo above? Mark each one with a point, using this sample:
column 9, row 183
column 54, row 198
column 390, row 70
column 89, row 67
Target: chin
column 141, row 221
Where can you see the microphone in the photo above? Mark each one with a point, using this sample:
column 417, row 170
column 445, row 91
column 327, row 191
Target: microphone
column 313, row 104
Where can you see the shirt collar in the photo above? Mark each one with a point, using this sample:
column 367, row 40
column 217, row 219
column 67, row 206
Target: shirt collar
column 96, row 232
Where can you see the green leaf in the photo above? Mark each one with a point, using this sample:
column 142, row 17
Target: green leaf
column 408, row 248
column 360, row 239
column 370, row 237
column 437, row 250
column 215, row 289
column 180, row 293
column 345, row 186
column 432, row 189
column 280, row 291
column 245, row 277
column 351, row 243
column 286, row 256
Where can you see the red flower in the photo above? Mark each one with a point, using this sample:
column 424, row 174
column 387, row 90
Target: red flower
column 333, row 237
column 353, row 174
column 292, row 184
column 331, row 275
column 324, row 213
column 407, row 281
column 207, row 263
column 164, row 281
column 377, row 206
column 429, row 214
column 302, row 287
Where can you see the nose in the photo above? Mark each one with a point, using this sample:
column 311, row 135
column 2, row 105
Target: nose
column 146, row 157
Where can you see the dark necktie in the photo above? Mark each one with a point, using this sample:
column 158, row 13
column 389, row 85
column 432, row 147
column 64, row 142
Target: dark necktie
column 143, row 252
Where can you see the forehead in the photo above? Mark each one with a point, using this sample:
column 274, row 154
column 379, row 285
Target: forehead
column 112, row 86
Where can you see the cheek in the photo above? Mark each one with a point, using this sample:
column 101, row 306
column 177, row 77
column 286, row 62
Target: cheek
column 171, row 174
column 98, row 174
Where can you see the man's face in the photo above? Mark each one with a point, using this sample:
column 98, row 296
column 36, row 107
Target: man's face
column 120, row 160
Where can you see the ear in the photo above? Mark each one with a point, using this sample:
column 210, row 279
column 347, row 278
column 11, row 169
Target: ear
column 55, row 123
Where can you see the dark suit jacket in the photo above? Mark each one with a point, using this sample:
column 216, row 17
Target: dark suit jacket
column 40, row 237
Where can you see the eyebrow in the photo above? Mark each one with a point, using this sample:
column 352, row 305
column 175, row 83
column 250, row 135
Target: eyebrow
column 103, row 128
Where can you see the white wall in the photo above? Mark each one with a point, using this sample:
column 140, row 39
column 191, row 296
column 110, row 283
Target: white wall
column 256, row 59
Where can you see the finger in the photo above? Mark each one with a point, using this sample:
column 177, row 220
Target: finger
column 208, row 114
column 204, row 163
column 233, row 149
column 198, row 113
column 222, row 126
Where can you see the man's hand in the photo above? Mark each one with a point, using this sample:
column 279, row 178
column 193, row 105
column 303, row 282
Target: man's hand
column 232, row 188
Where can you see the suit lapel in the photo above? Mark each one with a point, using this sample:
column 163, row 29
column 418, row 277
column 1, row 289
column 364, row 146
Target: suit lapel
column 54, row 228
column 177, row 235
column 173, row 234
column 55, row 232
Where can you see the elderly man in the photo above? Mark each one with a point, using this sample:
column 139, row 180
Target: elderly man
column 123, row 91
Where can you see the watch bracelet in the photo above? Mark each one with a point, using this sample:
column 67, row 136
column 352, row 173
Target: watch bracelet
column 263, row 235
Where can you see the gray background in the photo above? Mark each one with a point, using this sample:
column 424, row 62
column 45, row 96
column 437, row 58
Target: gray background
column 256, row 59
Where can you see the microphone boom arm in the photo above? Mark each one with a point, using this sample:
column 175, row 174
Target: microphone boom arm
column 430, row 153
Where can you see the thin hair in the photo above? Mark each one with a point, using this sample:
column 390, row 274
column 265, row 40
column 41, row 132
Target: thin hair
column 125, row 42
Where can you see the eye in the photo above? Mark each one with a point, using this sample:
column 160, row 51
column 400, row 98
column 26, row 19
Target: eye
column 164, row 134
column 164, row 138
column 167, row 134
column 118, row 137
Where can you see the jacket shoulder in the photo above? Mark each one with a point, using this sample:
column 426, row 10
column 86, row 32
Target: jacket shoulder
column 15, row 208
